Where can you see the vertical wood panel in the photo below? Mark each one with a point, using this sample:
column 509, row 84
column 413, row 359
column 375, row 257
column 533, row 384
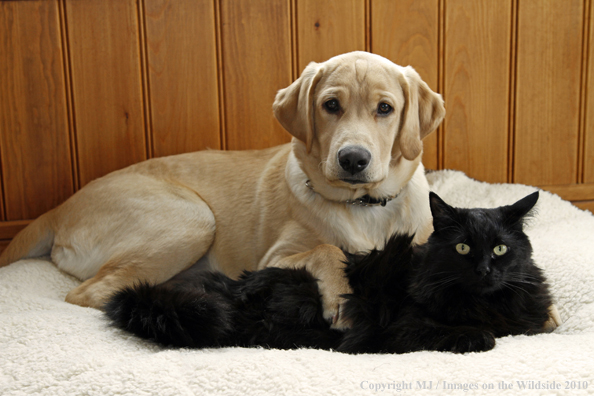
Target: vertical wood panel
column 588, row 130
column 547, row 91
column 36, row 166
column 107, row 85
column 406, row 32
column 329, row 28
column 256, row 41
column 477, row 75
column 182, row 63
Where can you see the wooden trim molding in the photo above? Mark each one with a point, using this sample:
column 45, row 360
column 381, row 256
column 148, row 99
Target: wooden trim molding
column 572, row 192
column 8, row 229
column 585, row 205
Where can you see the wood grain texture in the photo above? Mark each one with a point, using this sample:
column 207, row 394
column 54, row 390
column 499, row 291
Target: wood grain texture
column 35, row 146
column 406, row 32
column 213, row 68
column 547, row 91
column 4, row 244
column 8, row 229
column 182, row 64
column 256, row 44
column 329, row 28
column 477, row 74
column 106, row 84
column 585, row 205
column 572, row 192
column 588, row 130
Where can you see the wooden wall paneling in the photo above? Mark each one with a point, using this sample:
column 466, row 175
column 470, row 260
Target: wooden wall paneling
column 9, row 229
column 144, row 78
column 477, row 76
column 182, row 69
column 256, row 54
column 35, row 146
column 588, row 130
column 585, row 205
column 549, row 49
column 329, row 28
column 107, row 85
column 572, row 192
column 406, row 32
column 4, row 245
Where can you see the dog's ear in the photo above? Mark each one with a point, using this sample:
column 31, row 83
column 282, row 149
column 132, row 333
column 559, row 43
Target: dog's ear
column 423, row 111
column 294, row 106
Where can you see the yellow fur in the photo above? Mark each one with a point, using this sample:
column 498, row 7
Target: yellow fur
column 252, row 209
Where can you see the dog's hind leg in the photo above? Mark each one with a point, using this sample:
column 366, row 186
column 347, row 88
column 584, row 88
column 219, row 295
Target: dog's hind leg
column 130, row 229
column 117, row 274
column 149, row 264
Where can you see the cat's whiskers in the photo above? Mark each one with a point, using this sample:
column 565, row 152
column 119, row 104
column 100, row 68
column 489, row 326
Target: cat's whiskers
column 433, row 274
column 432, row 287
column 524, row 278
column 525, row 281
column 514, row 288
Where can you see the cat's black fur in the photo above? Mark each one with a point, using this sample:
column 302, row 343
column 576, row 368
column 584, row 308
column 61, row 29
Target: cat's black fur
column 274, row 307
column 405, row 298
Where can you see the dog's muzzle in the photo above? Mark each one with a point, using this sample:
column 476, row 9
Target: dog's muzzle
column 354, row 159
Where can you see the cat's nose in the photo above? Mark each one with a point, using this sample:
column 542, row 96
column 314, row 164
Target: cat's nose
column 483, row 269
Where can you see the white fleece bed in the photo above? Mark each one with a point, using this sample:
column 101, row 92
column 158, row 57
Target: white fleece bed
column 50, row 347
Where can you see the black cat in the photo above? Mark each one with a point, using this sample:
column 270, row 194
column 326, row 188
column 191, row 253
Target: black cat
column 474, row 280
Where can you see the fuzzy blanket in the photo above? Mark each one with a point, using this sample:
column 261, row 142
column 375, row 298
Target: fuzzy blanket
column 50, row 347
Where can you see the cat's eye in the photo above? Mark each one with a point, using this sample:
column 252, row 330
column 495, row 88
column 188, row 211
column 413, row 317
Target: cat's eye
column 462, row 248
column 500, row 250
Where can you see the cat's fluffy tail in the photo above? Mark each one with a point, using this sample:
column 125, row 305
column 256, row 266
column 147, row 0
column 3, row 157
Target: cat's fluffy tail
column 178, row 317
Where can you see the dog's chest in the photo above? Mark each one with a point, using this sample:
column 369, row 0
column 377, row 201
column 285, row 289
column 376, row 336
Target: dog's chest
column 360, row 229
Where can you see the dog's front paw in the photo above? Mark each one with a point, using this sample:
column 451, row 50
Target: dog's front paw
column 334, row 314
column 333, row 302
column 470, row 340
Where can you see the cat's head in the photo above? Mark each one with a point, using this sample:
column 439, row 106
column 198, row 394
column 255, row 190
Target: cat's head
column 479, row 250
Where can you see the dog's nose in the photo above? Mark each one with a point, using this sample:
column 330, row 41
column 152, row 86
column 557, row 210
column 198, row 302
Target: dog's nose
column 353, row 159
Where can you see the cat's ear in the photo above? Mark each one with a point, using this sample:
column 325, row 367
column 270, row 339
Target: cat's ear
column 441, row 211
column 517, row 212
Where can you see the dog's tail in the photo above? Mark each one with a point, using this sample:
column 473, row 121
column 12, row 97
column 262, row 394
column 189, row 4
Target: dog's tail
column 35, row 240
column 181, row 317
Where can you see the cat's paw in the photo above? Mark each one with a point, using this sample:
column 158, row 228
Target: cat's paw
column 471, row 340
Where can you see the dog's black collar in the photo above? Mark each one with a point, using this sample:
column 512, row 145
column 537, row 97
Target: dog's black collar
column 365, row 200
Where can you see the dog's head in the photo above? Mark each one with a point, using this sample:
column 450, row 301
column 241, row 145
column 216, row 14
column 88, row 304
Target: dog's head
column 356, row 114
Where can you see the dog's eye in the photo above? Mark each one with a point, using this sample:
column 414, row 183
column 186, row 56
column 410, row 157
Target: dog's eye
column 384, row 108
column 332, row 106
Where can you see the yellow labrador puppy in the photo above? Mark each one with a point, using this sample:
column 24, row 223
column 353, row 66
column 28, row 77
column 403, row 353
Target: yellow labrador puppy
column 351, row 177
